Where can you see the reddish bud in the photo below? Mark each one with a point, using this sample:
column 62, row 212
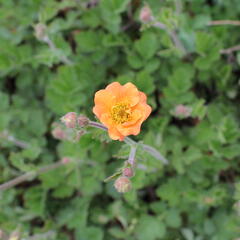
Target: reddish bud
column 65, row 160
column 182, row 111
column 58, row 133
column 123, row 184
column 82, row 121
column 40, row 31
column 70, row 119
column 128, row 172
column 146, row 14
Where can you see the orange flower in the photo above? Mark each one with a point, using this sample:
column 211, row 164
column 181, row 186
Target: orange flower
column 122, row 109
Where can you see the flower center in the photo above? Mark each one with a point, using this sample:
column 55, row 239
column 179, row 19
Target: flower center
column 121, row 113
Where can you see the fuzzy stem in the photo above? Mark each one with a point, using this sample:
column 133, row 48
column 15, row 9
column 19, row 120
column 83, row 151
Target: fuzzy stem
column 230, row 50
column 29, row 175
column 156, row 154
column 173, row 35
column 131, row 158
column 22, row 144
column 224, row 22
column 152, row 151
column 97, row 125
column 52, row 46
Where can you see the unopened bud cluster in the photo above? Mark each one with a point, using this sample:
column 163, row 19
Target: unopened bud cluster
column 72, row 129
column 72, row 120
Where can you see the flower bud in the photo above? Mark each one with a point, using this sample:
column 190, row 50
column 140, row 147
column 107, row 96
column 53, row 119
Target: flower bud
column 123, row 184
column 82, row 121
column 145, row 14
column 182, row 111
column 70, row 119
column 65, row 160
column 58, row 133
column 128, row 172
column 40, row 31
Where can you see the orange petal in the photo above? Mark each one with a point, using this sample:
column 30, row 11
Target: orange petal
column 135, row 127
column 143, row 97
column 112, row 131
column 131, row 94
column 106, row 120
column 145, row 109
column 114, row 88
column 115, row 134
column 132, row 130
column 103, row 102
column 136, row 115
column 126, row 93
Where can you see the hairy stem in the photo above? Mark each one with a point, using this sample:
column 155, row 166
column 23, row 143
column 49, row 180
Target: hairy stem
column 52, row 46
column 29, row 176
column 230, row 50
column 173, row 34
column 131, row 157
column 151, row 150
column 224, row 22
column 6, row 136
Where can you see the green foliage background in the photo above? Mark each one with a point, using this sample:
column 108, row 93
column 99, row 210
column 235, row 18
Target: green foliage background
column 195, row 197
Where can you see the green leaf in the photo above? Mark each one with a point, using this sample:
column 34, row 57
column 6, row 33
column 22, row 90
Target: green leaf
column 74, row 214
column 173, row 218
column 110, row 11
column 95, row 233
column 134, row 60
column 34, row 200
column 181, row 79
column 71, row 86
column 147, row 45
column 144, row 81
column 88, row 41
column 187, row 233
column 150, row 228
column 208, row 47
column 63, row 191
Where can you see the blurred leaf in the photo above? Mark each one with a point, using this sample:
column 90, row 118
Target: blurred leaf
column 147, row 45
column 149, row 228
column 34, row 200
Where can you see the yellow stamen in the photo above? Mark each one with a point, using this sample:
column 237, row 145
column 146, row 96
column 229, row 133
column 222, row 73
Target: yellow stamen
column 121, row 113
